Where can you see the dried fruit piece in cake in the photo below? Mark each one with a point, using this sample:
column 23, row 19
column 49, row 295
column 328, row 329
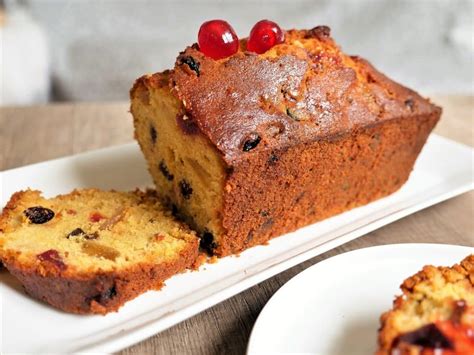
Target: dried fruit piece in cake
column 302, row 131
column 91, row 251
column 434, row 315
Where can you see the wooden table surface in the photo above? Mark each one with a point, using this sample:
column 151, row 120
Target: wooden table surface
column 33, row 134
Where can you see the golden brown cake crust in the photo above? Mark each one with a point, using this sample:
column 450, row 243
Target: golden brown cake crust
column 305, row 132
column 291, row 98
column 88, row 291
column 433, row 297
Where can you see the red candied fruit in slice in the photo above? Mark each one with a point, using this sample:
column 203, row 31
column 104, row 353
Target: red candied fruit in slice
column 52, row 256
column 96, row 217
column 217, row 39
column 264, row 35
column 461, row 335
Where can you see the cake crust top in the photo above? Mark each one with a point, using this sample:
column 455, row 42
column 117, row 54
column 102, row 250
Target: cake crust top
column 303, row 90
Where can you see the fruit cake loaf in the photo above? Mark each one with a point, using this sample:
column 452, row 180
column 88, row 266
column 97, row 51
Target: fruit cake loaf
column 256, row 145
column 91, row 251
column 434, row 315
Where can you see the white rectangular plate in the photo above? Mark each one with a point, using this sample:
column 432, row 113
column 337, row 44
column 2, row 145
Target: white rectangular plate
column 443, row 170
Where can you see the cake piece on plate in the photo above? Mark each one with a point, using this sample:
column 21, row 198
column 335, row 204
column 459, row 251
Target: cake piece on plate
column 435, row 314
column 91, row 251
column 251, row 146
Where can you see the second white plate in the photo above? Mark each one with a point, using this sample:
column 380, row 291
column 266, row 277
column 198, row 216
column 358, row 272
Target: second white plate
column 334, row 306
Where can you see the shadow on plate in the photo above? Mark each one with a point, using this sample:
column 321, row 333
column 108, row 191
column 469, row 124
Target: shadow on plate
column 8, row 280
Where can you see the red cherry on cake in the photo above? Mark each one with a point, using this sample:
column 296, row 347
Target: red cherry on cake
column 264, row 35
column 217, row 39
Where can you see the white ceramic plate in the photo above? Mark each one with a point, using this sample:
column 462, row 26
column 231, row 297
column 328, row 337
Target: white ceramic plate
column 334, row 306
column 443, row 170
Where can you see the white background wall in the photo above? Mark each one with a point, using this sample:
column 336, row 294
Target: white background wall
column 98, row 48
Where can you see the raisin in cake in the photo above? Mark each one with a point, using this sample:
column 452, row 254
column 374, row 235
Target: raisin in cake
column 90, row 251
column 435, row 314
column 253, row 146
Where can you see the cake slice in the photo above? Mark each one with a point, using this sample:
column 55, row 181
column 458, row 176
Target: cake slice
column 252, row 146
column 90, row 251
column 434, row 315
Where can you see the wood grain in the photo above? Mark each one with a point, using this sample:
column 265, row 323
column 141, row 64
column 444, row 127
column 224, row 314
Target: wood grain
column 33, row 134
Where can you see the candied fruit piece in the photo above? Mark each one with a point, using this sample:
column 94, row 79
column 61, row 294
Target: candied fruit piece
column 99, row 250
column 52, row 256
column 186, row 189
column 76, row 232
column 251, row 142
column 112, row 221
column 410, row 104
column 103, row 297
column 164, row 170
column 153, row 134
column 186, row 124
column 272, row 159
column 428, row 336
column 207, row 242
column 158, row 237
column 79, row 232
column 38, row 214
column 192, row 63
column 320, row 32
column 264, row 35
column 217, row 39
column 96, row 217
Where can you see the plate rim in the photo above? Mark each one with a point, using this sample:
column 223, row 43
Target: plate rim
column 323, row 263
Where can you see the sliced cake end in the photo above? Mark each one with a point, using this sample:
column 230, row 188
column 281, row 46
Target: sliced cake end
column 90, row 251
column 434, row 315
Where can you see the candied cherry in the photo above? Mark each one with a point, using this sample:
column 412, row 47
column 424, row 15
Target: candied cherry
column 264, row 35
column 217, row 39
